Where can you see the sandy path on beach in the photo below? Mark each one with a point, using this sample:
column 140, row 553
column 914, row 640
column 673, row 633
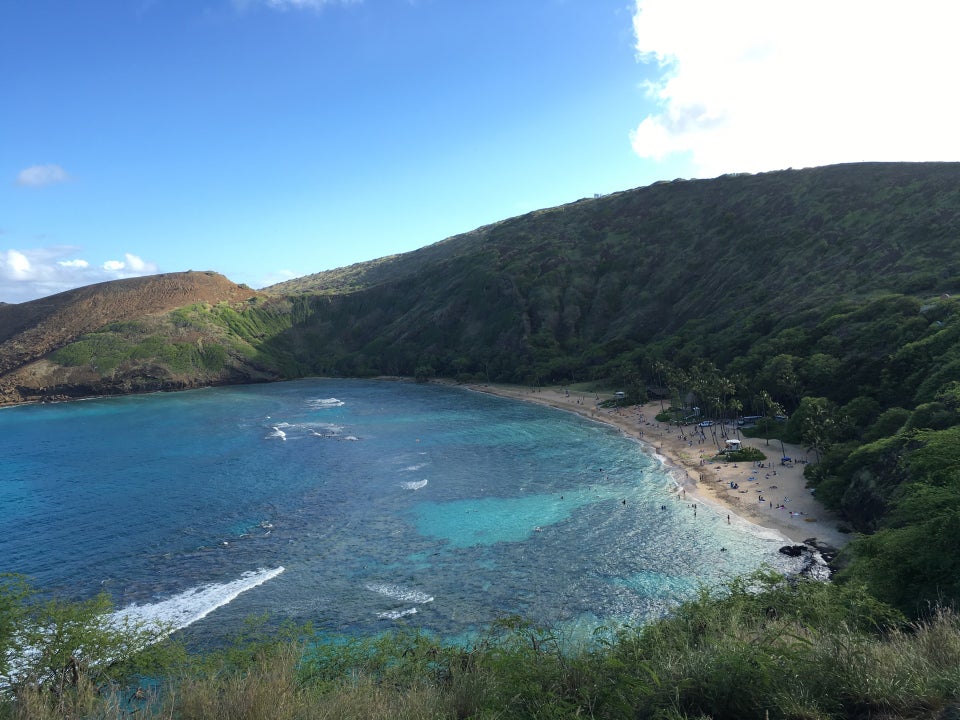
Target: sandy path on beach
column 787, row 506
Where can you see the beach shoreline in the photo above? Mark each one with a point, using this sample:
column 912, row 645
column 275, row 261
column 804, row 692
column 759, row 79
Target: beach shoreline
column 774, row 496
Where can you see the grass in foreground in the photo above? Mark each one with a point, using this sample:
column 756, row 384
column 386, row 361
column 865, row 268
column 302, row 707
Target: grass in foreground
column 761, row 648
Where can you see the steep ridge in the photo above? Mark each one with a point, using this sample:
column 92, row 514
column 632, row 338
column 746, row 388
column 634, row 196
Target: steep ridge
column 699, row 268
column 717, row 263
column 824, row 213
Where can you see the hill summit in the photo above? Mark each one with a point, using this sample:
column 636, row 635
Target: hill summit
column 32, row 330
column 711, row 269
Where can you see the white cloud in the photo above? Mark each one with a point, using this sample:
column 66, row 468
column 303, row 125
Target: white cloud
column 40, row 175
column 137, row 265
column 131, row 264
column 27, row 274
column 753, row 85
column 17, row 264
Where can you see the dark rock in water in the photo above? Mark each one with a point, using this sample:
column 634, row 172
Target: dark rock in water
column 820, row 546
column 812, row 565
column 816, row 556
column 793, row 550
column 826, row 550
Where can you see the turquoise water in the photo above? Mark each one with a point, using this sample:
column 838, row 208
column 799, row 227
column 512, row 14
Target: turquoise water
column 355, row 505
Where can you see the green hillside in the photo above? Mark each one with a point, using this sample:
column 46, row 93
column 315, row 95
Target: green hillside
column 820, row 300
column 736, row 270
column 699, row 268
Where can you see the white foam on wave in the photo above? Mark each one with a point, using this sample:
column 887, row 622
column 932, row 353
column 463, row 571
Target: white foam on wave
column 414, row 485
column 324, row 429
column 414, row 468
column 277, row 433
column 194, row 604
column 396, row 614
column 164, row 617
column 398, row 592
column 321, row 403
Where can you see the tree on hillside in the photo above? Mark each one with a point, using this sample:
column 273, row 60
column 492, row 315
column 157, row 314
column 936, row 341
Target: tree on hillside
column 780, row 375
column 818, row 424
column 67, row 648
column 912, row 563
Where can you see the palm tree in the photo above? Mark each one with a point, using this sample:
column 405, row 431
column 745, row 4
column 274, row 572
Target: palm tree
column 660, row 368
column 737, row 407
column 771, row 410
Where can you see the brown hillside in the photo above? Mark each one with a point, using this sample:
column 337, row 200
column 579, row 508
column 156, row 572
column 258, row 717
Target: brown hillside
column 32, row 329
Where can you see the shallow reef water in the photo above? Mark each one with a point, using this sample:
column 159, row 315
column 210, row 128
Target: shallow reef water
column 356, row 505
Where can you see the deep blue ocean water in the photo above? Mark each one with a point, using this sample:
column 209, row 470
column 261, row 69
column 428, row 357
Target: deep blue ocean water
column 355, row 505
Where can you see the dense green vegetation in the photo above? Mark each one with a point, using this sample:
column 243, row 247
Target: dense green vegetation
column 199, row 342
column 719, row 269
column 817, row 301
column 760, row 648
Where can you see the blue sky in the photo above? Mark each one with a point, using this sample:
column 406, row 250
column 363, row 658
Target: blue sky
column 269, row 139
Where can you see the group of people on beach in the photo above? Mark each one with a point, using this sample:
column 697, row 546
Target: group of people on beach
column 676, row 443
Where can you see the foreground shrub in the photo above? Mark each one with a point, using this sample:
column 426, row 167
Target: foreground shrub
column 797, row 650
column 762, row 647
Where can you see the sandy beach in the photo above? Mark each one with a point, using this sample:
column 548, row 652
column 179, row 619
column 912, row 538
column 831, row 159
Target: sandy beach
column 787, row 506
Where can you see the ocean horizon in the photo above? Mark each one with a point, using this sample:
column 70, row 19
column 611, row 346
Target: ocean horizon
column 357, row 506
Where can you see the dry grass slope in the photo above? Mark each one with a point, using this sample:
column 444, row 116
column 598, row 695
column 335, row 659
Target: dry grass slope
column 31, row 330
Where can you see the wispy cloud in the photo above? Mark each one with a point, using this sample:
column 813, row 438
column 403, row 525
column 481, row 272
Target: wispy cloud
column 40, row 175
column 38, row 272
column 752, row 85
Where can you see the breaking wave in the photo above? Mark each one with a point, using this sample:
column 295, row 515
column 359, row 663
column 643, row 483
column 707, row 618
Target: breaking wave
column 323, row 403
column 398, row 592
column 194, row 604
